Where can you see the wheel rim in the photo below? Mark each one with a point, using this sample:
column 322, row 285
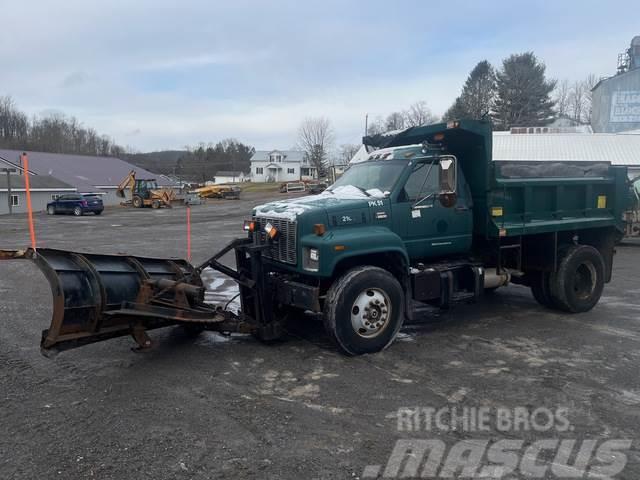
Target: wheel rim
column 370, row 312
column 77, row 211
column 50, row 210
column 584, row 282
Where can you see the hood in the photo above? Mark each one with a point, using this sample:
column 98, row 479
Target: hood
column 340, row 198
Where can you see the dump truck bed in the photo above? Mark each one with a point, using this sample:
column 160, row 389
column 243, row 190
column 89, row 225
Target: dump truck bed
column 520, row 202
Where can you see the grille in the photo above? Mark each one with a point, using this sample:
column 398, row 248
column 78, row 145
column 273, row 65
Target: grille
column 284, row 247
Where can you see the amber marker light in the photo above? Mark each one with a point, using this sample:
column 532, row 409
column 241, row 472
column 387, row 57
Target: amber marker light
column 319, row 229
column 249, row 226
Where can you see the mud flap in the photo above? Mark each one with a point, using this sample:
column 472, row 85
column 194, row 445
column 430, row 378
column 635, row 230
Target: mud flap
column 98, row 297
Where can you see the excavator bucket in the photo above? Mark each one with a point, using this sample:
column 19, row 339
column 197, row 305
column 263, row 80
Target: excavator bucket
column 98, row 297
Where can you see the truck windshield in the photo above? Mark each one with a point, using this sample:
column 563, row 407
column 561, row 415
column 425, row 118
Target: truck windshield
column 380, row 175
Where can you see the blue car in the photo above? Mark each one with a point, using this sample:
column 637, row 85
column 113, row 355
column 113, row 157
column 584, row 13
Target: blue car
column 76, row 204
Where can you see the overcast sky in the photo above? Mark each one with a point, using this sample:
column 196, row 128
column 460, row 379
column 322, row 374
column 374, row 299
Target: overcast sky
column 160, row 74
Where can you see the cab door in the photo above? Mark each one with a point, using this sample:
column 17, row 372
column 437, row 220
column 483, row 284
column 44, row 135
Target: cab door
column 427, row 228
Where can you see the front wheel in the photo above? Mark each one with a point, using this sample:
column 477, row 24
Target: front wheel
column 51, row 210
column 77, row 211
column 364, row 310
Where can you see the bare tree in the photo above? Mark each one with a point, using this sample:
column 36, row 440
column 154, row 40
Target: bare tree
column 562, row 94
column 589, row 83
column 394, row 121
column 347, row 152
column 418, row 114
column 315, row 138
column 13, row 124
column 577, row 100
column 376, row 126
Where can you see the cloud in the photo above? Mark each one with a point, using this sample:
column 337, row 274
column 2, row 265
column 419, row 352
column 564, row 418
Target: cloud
column 74, row 79
column 162, row 74
column 202, row 60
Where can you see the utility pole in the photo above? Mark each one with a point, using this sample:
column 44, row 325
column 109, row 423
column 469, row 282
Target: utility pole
column 366, row 124
column 9, row 171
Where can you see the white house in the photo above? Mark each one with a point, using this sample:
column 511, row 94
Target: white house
column 281, row 166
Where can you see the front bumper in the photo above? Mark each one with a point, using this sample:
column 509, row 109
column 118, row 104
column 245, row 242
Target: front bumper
column 266, row 291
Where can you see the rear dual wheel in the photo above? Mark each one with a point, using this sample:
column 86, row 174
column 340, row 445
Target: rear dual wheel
column 578, row 283
column 364, row 310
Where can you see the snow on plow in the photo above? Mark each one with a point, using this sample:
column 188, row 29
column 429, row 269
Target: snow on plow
column 97, row 297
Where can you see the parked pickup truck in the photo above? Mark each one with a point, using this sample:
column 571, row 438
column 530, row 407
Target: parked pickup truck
column 427, row 219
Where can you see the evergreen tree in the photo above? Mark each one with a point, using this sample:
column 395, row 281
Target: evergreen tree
column 523, row 93
column 477, row 96
column 455, row 111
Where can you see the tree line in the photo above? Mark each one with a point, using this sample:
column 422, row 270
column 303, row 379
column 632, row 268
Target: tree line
column 201, row 162
column 55, row 133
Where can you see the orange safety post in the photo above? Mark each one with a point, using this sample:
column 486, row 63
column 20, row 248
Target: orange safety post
column 189, row 233
column 32, row 231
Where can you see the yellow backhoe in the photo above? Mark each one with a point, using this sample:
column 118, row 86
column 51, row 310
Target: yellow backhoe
column 145, row 192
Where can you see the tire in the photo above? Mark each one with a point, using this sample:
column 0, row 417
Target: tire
column 51, row 210
column 349, row 327
column 137, row 202
column 541, row 289
column 155, row 204
column 577, row 285
column 98, row 212
column 77, row 211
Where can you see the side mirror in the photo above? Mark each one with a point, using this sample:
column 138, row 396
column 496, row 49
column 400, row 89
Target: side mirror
column 447, row 178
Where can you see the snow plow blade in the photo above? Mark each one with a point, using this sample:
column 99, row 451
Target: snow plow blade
column 97, row 297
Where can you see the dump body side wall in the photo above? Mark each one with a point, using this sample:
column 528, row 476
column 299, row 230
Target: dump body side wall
column 524, row 206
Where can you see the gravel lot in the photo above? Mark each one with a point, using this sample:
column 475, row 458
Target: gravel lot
column 214, row 407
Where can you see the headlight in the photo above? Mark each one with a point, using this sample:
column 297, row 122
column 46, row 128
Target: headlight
column 311, row 259
column 271, row 231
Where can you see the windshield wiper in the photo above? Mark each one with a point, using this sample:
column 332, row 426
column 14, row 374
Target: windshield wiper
column 362, row 190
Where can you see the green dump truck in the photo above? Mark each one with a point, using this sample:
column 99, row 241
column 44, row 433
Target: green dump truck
column 428, row 219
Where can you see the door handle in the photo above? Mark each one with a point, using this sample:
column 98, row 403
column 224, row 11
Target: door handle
column 462, row 208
